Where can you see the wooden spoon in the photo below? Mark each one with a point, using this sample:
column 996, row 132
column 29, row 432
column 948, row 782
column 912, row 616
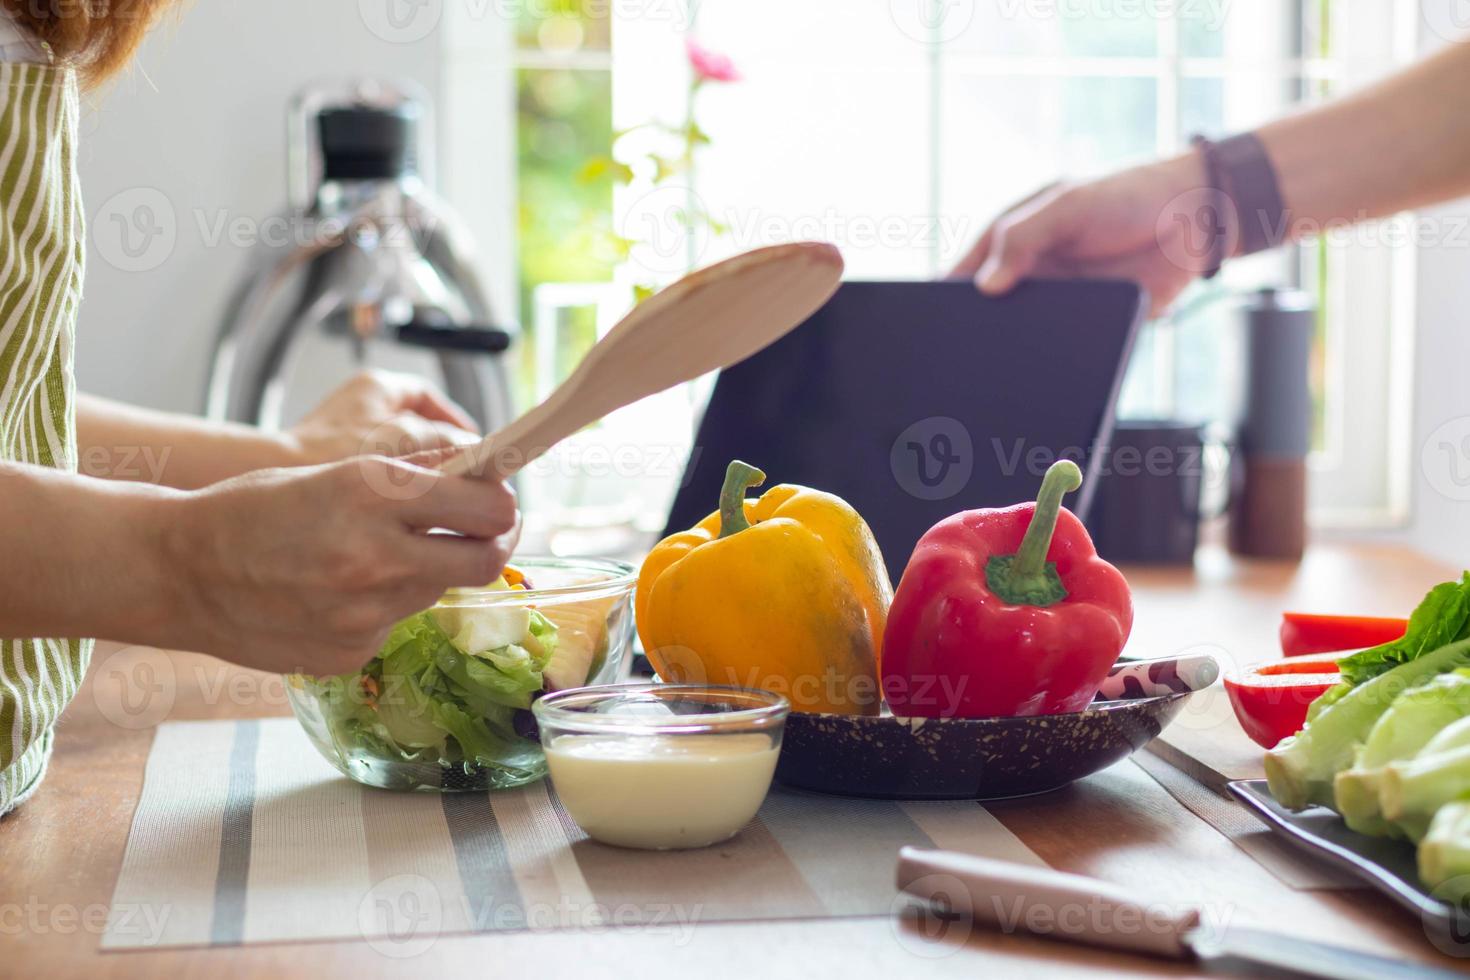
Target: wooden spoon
column 710, row 319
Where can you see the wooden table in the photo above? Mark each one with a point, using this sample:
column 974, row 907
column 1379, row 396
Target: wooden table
column 60, row 853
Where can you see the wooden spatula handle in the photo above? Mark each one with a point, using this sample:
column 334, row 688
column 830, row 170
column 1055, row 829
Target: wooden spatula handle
column 1014, row 897
column 517, row 445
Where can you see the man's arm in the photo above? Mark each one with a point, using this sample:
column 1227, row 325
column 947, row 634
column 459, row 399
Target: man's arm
column 1402, row 143
column 1399, row 144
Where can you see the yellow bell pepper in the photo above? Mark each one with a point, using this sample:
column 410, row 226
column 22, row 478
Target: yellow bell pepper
column 787, row 593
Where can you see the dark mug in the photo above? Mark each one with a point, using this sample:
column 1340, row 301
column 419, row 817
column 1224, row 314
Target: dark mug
column 1147, row 507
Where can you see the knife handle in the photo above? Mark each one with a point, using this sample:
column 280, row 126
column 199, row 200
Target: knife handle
column 1180, row 674
column 1019, row 898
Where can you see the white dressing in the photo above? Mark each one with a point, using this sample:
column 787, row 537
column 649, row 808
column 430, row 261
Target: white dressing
column 661, row 792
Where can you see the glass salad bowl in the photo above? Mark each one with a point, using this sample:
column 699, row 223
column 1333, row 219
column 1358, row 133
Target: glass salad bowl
column 445, row 703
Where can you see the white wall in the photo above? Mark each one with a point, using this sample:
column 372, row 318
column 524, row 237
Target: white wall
column 1441, row 441
column 1441, row 460
column 195, row 132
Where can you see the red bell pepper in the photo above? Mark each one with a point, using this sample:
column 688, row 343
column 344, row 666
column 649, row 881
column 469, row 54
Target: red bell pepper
column 1005, row 612
column 1305, row 633
column 1271, row 700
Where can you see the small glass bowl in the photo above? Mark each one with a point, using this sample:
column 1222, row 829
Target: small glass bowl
column 589, row 600
column 662, row 766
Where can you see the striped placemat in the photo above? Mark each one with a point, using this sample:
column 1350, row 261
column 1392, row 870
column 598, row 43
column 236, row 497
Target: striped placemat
column 244, row 834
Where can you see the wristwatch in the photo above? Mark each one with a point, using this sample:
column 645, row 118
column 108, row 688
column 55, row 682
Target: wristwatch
column 1241, row 174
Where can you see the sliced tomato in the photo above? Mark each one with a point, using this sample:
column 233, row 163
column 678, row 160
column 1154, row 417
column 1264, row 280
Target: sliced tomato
column 1271, row 699
column 1305, row 633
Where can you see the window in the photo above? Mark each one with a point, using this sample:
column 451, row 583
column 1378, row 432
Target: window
column 899, row 130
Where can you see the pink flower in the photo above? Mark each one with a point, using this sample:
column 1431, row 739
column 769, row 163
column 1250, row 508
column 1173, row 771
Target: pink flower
column 710, row 66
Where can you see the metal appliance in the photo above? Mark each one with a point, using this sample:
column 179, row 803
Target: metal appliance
column 365, row 254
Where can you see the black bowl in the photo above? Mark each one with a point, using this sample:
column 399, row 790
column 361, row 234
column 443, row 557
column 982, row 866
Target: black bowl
column 890, row 758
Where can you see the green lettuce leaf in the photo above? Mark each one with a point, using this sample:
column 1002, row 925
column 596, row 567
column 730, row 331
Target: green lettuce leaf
column 487, row 744
column 1416, row 717
column 424, row 700
column 1440, row 619
column 1301, row 769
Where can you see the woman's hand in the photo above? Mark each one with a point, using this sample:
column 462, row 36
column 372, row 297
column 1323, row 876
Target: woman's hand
column 305, row 570
column 375, row 412
column 380, row 412
column 1140, row 224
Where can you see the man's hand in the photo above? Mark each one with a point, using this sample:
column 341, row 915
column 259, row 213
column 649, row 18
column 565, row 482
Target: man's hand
column 1123, row 226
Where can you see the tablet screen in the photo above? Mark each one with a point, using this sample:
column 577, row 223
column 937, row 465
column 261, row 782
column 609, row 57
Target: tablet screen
column 914, row 400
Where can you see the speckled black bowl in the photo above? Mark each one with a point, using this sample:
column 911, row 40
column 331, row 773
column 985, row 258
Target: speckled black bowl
column 965, row 758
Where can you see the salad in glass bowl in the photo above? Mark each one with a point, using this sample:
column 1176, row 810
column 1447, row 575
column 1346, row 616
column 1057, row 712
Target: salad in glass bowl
column 445, row 703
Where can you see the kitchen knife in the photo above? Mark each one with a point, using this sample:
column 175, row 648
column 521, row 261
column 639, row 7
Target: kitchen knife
column 1074, row 908
column 1159, row 677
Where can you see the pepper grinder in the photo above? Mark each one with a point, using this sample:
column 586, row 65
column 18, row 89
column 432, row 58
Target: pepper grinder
column 1268, row 507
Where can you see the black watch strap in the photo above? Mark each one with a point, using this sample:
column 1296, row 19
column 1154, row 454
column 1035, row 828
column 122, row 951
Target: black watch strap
column 1217, row 218
column 1248, row 178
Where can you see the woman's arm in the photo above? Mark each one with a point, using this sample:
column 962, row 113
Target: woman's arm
column 1401, row 143
column 83, row 556
column 123, row 442
column 283, row 570
column 375, row 412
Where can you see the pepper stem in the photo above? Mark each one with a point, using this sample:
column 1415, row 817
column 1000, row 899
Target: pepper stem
column 1061, row 478
column 1027, row 578
column 739, row 477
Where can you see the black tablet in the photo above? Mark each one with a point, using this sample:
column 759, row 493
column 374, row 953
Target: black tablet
column 914, row 400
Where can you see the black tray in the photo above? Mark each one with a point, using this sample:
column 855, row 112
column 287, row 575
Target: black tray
column 1379, row 862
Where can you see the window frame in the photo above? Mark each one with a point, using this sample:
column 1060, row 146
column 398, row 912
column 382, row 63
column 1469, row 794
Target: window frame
column 1355, row 489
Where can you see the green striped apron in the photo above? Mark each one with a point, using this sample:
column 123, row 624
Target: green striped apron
column 41, row 262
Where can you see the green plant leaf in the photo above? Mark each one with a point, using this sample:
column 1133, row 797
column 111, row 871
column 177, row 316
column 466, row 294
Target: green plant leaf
column 599, row 168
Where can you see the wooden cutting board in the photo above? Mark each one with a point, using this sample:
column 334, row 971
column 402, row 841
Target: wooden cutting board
column 1208, row 744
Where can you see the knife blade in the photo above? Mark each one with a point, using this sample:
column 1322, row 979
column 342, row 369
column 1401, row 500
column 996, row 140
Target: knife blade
column 1075, row 908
